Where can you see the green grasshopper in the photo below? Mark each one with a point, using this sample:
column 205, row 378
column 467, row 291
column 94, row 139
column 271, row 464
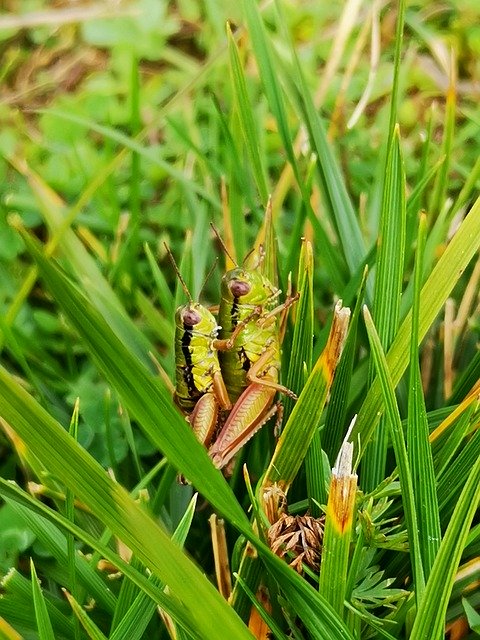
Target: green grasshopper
column 200, row 391
column 249, row 354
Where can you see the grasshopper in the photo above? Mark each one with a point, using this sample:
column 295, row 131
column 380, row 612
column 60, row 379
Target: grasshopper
column 249, row 354
column 199, row 387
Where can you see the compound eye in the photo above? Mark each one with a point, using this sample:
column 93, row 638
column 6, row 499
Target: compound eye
column 190, row 317
column 239, row 288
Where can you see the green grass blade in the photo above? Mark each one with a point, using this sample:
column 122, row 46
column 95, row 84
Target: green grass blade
column 70, row 514
column 16, row 606
column 45, row 630
column 332, row 181
column 269, row 78
column 440, row 187
column 318, row 616
column 246, row 117
column 395, row 424
column 90, row 627
column 315, row 476
column 419, row 449
column 430, row 617
column 302, row 340
column 275, row 630
column 451, row 482
column 113, row 506
column 295, row 439
column 435, row 291
column 388, row 289
column 134, row 622
column 339, row 526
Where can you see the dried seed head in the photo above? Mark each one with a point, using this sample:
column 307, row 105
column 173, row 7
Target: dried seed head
column 300, row 537
column 274, row 502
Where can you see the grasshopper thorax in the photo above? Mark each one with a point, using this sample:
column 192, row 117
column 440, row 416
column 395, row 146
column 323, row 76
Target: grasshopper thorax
column 247, row 287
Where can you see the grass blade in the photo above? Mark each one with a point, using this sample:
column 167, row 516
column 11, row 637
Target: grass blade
column 429, row 620
column 395, row 423
column 90, row 627
column 295, row 439
column 419, row 449
column 388, row 289
column 435, row 291
column 339, row 525
column 45, row 630
column 246, row 116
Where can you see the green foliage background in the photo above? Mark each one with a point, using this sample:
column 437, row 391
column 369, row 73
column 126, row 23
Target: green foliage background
column 126, row 125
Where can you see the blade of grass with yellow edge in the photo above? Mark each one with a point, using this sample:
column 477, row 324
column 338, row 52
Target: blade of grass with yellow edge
column 449, row 444
column 295, row 439
column 435, row 291
column 418, row 445
column 44, row 626
column 246, row 116
column 338, row 529
column 387, row 291
column 90, row 627
column 396, row 433
column 7, row 632
column 430, row 616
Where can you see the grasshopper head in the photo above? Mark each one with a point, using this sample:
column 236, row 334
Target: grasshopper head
column 247, row 287
column 195, row 317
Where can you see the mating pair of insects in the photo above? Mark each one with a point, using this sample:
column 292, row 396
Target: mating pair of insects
column 227, row 372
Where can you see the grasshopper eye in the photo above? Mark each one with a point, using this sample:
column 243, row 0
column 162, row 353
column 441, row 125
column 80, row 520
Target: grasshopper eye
column 239, row 288
column 190, row 317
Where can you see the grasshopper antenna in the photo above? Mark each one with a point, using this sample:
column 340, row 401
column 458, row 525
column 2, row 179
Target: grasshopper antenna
column 177, row 271
column 207, row 277
column 224, row 246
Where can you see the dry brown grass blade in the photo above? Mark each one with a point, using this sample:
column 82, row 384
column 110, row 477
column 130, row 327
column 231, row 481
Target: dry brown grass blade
column 220, row 556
